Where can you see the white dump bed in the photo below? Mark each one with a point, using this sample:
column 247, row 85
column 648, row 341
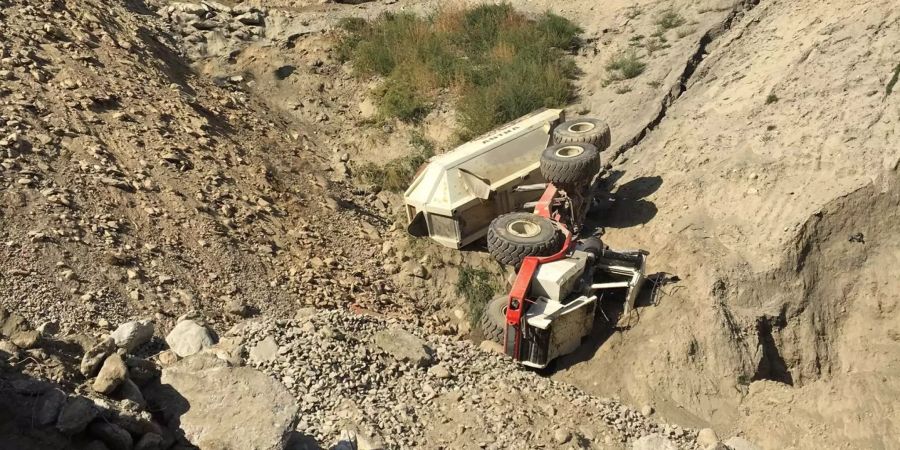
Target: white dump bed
column 458, row 193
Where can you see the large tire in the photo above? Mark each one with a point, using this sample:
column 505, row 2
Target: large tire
column 584, row 130
column 570, row 164
column 493, row 319
column 511, row 237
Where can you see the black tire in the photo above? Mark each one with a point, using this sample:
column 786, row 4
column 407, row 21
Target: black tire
column 493, row 319
column 583, row 130
column 511, row 237
column 570, row 164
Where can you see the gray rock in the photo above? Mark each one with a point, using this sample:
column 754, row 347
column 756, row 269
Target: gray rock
column 150, row 441
column 189, row 337
column 26, row 339
column 112, row 435
column 739, row 443
column 653, row 442
column 75, row 415
column 561, row 436
column 265, row 350
column 131, row 335
column 237, row 307
column 247, row 409
column 439, row 371
column 111, row 375
column 404, row 346
column 417, row 270
column 646, row 410
column 707, row 437
column 95, row 356
column 48, row 407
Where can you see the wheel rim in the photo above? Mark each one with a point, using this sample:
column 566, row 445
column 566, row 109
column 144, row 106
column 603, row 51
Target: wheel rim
column 581, row 127
column 523, row 228
column 569, row 151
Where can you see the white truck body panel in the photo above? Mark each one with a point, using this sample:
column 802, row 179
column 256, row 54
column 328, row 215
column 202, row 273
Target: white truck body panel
column 554, row 280
column 458, row 193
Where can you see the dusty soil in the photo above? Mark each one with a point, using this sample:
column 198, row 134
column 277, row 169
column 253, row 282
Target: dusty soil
column 776, row 203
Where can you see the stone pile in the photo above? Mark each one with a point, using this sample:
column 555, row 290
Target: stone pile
column 395, row 386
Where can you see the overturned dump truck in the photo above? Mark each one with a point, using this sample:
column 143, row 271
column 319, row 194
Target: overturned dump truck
column 457, row 194
column 528, row 188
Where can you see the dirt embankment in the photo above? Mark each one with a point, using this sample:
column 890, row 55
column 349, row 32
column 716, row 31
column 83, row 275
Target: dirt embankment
column 776, row 207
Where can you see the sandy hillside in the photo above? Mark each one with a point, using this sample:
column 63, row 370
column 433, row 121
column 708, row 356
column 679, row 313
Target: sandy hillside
column 777, row 207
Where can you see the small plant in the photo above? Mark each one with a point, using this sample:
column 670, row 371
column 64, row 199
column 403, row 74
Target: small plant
column 396, row 174
column 656, row 44
column 660, row 34
column 623, row 90
column 890, row 86
column 625, row 66
column 396, row 98
column 772, row 98
column 419, row 141
column 478, row 287
column 654, row 84
column 669, row 19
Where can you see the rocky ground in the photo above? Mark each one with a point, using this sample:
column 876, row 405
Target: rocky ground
column 192, row 165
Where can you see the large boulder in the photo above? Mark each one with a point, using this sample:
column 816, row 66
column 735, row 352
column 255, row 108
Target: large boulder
column 189, row 337
column 404, row 346
column 213, row 405
column 131, row 335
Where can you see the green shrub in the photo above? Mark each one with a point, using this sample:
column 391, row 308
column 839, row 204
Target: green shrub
column 771, row 98
column 625, row 66
column 669, row 19
column 478, row 287
column 500, row 63
column 397, row 98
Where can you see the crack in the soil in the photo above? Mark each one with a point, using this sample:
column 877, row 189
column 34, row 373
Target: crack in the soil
column 690, row 67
